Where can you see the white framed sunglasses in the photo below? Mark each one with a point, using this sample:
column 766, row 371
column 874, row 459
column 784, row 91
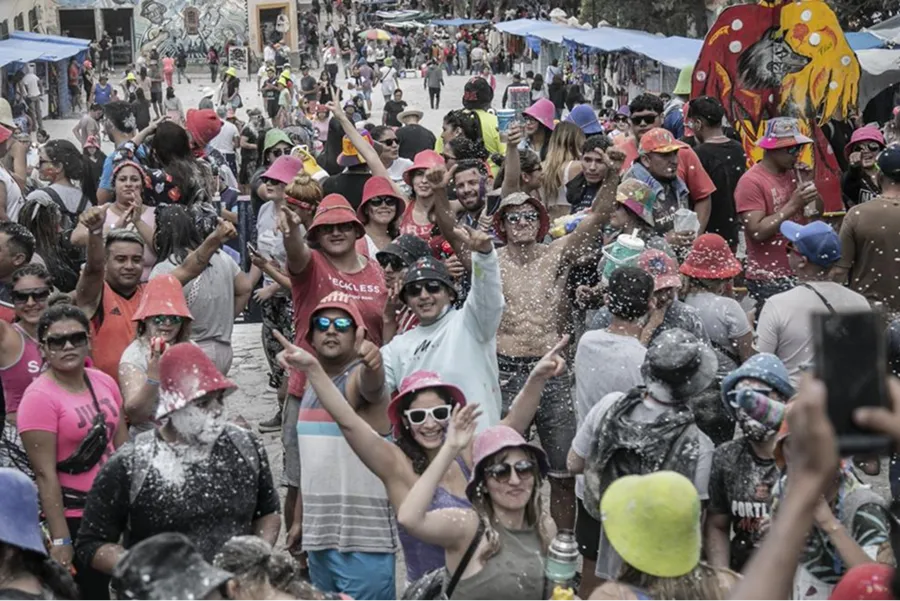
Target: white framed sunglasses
column 440, row 414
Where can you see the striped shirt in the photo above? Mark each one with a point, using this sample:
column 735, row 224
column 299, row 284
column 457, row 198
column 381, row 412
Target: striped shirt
column 345, row 506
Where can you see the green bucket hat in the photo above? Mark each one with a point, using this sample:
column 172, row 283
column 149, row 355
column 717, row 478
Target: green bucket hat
column 273, row 137
column 638, row 197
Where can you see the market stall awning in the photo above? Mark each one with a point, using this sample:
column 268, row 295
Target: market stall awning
column 458, row 22
column 880, row 69
column 398, row 14
column 519, row 27
column 863, row 40
column 46, row 37
column 888, row 30
column 24, row 47
column 10, row 53
column 675, row 51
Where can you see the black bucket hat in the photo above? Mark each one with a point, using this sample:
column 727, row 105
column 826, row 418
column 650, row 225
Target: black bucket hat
column 408, row 248
column 427, row 269
column 166, row 566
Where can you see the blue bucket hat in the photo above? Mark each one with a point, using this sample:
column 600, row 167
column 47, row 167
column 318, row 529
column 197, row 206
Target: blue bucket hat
column 19, row 512
column 584, row 117
column 764, row 367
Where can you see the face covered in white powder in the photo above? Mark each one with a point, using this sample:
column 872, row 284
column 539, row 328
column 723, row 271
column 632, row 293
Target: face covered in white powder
column 202, row 421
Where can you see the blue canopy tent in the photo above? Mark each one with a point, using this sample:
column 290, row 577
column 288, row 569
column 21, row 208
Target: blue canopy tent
column 24, row 47
column 863, row 40
column 458, row 22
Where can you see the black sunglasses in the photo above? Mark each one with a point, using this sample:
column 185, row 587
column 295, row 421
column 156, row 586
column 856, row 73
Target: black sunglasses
column 390, row 142
column 870, row 146
column 431, row 287
column 58, row 343
column 501, row 472
column 271, row 182
column 643, row 119
column 392, row 261
column 383, row 200
column 336, row 227
column 621, row 119
column 38, row 294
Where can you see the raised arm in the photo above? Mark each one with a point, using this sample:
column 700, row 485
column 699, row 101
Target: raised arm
column 484, row 306
column 525, row 405
column 194, row 264
column 580, row 241
column 512, row 170
column 366, row 150
column 382, row 457
column 440, row 179
column 447, row 528
column 89, row 288
column 298, row 252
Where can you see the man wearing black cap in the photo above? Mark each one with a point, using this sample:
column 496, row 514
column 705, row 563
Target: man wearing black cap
column 457, row 344
column 394, row 259
column 870, row 254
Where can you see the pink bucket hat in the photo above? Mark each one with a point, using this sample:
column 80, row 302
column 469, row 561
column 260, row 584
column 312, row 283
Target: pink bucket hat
column 413, row 383
column 543, row 111
column 492, row 441
column 284, row 168
column 185, row 375
column 863, row 134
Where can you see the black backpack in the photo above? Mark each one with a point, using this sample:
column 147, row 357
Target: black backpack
column 70, row 219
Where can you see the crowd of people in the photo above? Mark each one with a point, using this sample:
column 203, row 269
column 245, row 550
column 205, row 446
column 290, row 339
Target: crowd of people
column 580, row 341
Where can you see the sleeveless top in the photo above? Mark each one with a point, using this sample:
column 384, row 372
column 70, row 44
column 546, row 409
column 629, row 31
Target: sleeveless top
column 421, row 557
column 345, row 506
column 516, row 572
column 16, row 377
column 113, row 329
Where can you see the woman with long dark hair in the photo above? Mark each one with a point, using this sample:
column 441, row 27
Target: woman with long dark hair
column 63, row 260
column 94, row 158
column 65, row 447
column 141, row 109
column 26, row 571
column 216, row 296
column 380, row 212
column 61, row 164
column 420, row 413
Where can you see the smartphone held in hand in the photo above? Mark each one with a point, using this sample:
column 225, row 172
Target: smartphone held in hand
column 850, row 358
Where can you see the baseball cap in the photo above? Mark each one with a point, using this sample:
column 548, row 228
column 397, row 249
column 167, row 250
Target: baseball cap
column 889, row 162
column 662, row 267
column 660, row 140
column 817, row 241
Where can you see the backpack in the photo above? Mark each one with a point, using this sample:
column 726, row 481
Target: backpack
column 145, row 443
column 70, row 219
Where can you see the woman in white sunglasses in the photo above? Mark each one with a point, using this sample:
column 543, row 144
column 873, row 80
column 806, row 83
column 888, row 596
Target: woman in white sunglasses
column 420, row 414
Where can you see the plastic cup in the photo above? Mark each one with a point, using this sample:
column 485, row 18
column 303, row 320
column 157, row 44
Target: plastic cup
column 504, row 118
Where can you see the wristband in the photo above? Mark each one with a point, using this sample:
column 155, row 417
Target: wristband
column 61, row 542
column 97, row 232
column 152, row 382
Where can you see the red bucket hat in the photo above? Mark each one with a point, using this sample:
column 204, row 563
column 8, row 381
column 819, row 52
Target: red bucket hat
column 203, row 125
column 335, row 209
column 379, row 186
column 185, row 375
column 163, row 295
column 340, row 301
column 5, row 134
column 492, row 441
column 423, row 161
column 710, row 259
column 517, row 199
column 413, row 383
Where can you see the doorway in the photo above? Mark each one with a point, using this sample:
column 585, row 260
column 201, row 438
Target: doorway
column 77, row 24
column 119, row 23
column 268, row 30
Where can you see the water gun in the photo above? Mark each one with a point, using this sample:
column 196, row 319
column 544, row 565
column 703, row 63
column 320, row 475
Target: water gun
column 566, row 224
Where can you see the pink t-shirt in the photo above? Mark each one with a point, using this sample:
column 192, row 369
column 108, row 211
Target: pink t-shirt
column 47, row 407
column 168, row 64
column 761, row 190
column 17, row 377
column 321, row 278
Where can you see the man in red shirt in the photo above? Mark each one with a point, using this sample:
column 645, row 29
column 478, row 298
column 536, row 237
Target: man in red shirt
column 646, row 114
column 771, row 192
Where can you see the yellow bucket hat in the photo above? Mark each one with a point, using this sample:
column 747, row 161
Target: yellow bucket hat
column 231, row 71
column 653, row 522
column 130, row 77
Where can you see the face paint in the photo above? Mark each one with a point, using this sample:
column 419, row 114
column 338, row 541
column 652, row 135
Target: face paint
column 197, row 425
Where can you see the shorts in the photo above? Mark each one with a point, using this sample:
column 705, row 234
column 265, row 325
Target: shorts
column 366, row 94
column 555, row 418
column 156, row 96
column 587, row 533
column 290, row 446
column 355, row 574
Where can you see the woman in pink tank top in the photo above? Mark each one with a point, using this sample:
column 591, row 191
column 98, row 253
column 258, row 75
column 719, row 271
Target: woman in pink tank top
column 20, row 355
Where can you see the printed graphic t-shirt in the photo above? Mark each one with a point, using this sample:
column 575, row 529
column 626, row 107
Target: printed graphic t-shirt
column 318, row 280
column 47, row 407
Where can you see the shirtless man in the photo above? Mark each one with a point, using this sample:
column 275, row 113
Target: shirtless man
column 534, row 277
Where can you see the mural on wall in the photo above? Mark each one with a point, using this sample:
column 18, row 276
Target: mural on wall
column 193, row 24
column 782, row 58
column 96, row 3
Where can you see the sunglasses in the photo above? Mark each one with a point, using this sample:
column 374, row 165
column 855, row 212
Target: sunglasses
column 271, row 182
column 391, row 142
column 392, row 261
column 621, row 119
column 440, row 414
column 335, row 227
column 341, row 324
column 58, row 343
column 38, row 294
column 791, row 249
column 166, row 320
column 870, row 146
column 514, row 218
column 501, row 472
column 794, row 150
column 644, row 119
column 383, row 200
column 416, row 288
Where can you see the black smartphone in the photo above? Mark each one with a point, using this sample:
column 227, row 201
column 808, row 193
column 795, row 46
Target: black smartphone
column 851, row 359
column 493, row 203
